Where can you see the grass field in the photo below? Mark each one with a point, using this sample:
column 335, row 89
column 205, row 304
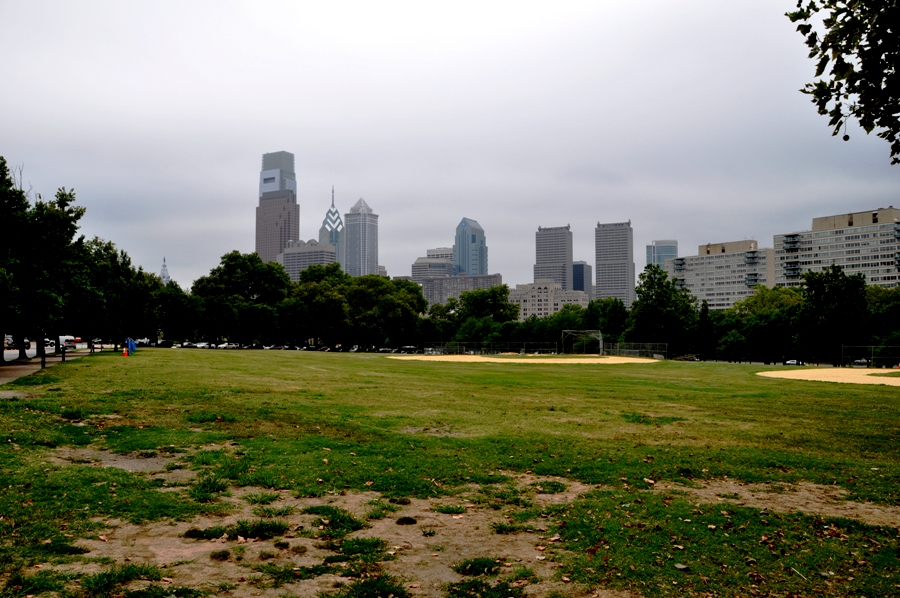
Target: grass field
column 323, row 425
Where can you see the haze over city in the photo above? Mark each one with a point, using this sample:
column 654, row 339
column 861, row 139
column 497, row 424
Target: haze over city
column 685, row 119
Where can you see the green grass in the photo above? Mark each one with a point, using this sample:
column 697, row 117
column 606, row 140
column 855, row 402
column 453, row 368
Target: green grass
column 336, row 522
column 478, row 566
column 260, row 529
column 477, row 588
column 437, row 430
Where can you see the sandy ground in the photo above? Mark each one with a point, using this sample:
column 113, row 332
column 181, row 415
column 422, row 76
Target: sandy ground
column 843, row 375
column 606, row 360
column 827, row 501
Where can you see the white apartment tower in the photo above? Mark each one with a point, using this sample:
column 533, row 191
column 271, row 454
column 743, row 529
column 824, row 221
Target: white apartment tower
column 553, row 255
column 614, row 253
column 361, row 240
column 278, row 215
column 861, row 242
column 723, row 273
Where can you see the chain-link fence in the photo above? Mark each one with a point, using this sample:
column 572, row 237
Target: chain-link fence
column 872, row 356
column 476, row 348
column 582, row 342
column 651, row 350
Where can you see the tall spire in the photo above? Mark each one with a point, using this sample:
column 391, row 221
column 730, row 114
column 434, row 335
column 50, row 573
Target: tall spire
column 164, row 274
column 332, row 196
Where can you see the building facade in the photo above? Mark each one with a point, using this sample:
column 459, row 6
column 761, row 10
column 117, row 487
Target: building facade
column 438, row 290
column 164, row 274
column 861, row 242
column 300, row 255
column 723, row 273
column 431, row 267
column 660, row 251
column 332, row 232
column 544, row 298
column 583, row 278
column 614, row 261
column 277, row 215
column 361, row 240
column 470, row 252
column 553, row 255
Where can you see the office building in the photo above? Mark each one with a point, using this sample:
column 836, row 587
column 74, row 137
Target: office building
column 553, row 255
column 583, row 278
column 278, row 215
column 861, row 242
column 382, row 271
column 544, row 298
column 723, row 273
column 361, row 240
column 300, row 255
column 470, row 252
column 660, row 251
column 438, row 290
column 332, row 232
column 614, row 261
column 431, row 267
column 164, row 274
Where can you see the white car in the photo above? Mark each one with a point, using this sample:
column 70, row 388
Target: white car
column 202, row 345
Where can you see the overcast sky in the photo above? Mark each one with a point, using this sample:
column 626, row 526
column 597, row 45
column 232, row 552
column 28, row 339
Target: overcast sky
column 684, row 117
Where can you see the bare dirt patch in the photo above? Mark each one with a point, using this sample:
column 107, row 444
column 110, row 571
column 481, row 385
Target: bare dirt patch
column 816, row 499
column 157, row 466
column 423, row 554
column 538, row 359
column 840, row 375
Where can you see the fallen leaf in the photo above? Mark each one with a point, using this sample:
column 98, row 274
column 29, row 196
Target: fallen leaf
column 369, row 483
column 241, row 540
column 167, row 579
column 541, row 548
column 325, row 461
column 414, row 585
column 681, row 567
column 103, row 538
column 679, row 547
column 456, row 516
column 566, row 579
column 649, row 481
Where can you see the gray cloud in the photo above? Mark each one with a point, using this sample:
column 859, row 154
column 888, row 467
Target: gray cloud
column 685, row 119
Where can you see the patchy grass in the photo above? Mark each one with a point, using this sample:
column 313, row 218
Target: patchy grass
column 477, row 588
column 449, row 509
column 336, row 522
column 260, row 529
column 272, row 512
column 276, row 417
column 549, row 487
column 478, row 566
column 261, row 498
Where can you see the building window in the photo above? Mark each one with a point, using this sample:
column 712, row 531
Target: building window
column 269, row 179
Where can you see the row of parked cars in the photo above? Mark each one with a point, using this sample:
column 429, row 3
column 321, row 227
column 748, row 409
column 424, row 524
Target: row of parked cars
column 69, row 342
column 335, row 349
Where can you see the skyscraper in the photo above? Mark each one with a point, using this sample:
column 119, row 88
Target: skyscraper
column 361, row 240
column 583, row 278
column 164, row 274
column 470, row 252
column 660, row 251
column 553, row 255
column 332, row 232
column 278, row 215
column 614, row 253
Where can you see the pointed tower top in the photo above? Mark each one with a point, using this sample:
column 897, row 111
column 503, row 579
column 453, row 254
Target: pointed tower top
column 332, row 196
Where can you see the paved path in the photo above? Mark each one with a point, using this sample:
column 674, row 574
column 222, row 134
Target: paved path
column 10, row 371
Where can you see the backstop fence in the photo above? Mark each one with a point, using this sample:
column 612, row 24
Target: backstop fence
column 873, row 356
column 477, row 348
column 651, row 350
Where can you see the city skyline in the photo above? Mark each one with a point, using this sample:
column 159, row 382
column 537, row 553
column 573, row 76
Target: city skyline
column 158, row 119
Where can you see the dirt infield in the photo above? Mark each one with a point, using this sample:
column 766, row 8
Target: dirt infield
column 605, row 360
column 843, row 375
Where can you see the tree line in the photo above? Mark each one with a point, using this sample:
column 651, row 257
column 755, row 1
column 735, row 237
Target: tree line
column 53, row 281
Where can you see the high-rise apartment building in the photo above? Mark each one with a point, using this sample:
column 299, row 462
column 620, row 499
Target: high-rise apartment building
column 332, row 232
column 553, row 255
column 723, row 273
column 361, row 240
column 660, row 251
column 614, row 254
column 300, row 255
column 543, row 298
column 583, row 278
column 470, row 252
column 861, row 242
column 278, row 215
column 441, row 288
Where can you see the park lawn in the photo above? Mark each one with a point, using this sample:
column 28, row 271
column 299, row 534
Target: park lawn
column 419, row 429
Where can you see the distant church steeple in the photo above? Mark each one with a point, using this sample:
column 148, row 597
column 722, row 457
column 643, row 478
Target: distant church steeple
column 164, row 274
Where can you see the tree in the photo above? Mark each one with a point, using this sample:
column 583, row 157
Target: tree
column 662, row 312
column 609, row 316
column 834, row 312
column 861, row 41
column 13, row 214
column 492, row 302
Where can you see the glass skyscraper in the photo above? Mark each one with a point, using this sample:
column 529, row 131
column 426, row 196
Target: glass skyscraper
column 660, row 251
column 470, row 252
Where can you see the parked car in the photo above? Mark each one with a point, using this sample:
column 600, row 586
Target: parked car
column 202, row 345
column 188, row 345
column 49, row 344
column 794, row 362
column 862, row 362
column 142, row 342
column 97, row 341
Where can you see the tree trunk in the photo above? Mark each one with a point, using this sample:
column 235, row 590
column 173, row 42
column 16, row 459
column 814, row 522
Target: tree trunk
column 20, row 343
